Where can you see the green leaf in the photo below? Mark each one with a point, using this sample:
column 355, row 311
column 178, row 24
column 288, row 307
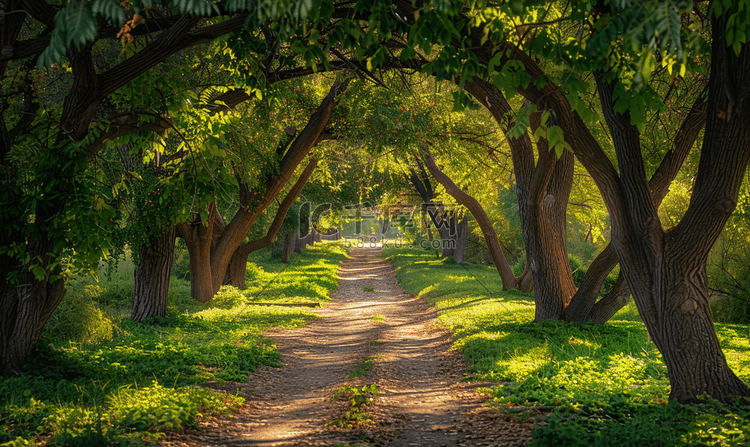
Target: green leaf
column 298, row 47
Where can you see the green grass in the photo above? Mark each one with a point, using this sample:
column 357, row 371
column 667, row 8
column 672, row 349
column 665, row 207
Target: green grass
column 98, row 378
column 606, row 384
column 364, row 366
column 378, row 318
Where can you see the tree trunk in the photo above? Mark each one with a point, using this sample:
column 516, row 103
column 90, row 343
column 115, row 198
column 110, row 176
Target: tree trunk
column 445, row 222
column 25, row 307
column 238, row 265
column 682, row 328
column 462, row 230
column 584, row 300
column 542, row 192
column 198, row 239
column 583, row 306
column 496, row 251
column 546, row 242
column 616, row 299
column 526, row 280
column 287, row 248
column 667, row 270
column 152, row 277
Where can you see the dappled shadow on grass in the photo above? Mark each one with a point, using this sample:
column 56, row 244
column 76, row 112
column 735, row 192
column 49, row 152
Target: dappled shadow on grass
column 93, row 384
column 603, row 384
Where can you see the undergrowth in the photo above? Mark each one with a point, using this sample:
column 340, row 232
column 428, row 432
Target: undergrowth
column 599, row 384
column 357, row 399
column 99, row 378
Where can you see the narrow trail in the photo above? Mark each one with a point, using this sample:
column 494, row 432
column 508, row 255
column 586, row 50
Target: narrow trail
column 420, row 402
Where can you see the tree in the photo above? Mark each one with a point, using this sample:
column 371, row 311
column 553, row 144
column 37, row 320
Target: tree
column 665, row 269
column 543, row 191
column 509, row 281
column 45, row 214
column 212, row 244
column 237, row 266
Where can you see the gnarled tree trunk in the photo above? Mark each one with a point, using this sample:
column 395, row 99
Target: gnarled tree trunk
column 151, row 289
column 215, row 251
column 666, row 271
column 238, row 265
column 25, row 307
column 543, row 191
column 584, row 307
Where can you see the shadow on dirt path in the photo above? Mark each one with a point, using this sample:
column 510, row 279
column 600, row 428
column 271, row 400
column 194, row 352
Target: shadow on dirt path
column 420, row 401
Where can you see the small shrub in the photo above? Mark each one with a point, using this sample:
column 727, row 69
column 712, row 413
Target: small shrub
column 181, row 262
column 358, row 398
column 369, row 289
column 378, row 318
column 78, row 319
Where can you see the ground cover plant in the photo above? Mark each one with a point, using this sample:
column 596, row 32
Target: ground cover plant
column 358, row 400
column 99, row 378
column 590, row 384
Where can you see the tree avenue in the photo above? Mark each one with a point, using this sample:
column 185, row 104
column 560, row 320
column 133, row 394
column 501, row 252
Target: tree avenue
column 529, row 64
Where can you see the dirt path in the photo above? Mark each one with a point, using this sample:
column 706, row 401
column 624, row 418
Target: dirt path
column 420, row 402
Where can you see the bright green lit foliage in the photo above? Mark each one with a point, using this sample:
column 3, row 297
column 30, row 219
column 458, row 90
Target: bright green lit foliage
column 728, row 270
column 603, row 384
column 104, row 379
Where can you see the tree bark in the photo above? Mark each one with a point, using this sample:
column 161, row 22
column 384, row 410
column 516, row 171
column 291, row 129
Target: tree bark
column 151, row 290
column 542, row 191
column 198, row 238
column 526, row 280
column 546, row 242
column 667, row 270
column 614, row 300
column 583, row 306
column 25, row 307
column 496, row 251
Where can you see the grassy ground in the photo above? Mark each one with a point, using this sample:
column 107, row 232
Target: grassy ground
column 597, row 384
column 99, row 378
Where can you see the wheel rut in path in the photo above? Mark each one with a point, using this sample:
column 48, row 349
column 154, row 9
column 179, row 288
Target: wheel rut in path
column 420, row 402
